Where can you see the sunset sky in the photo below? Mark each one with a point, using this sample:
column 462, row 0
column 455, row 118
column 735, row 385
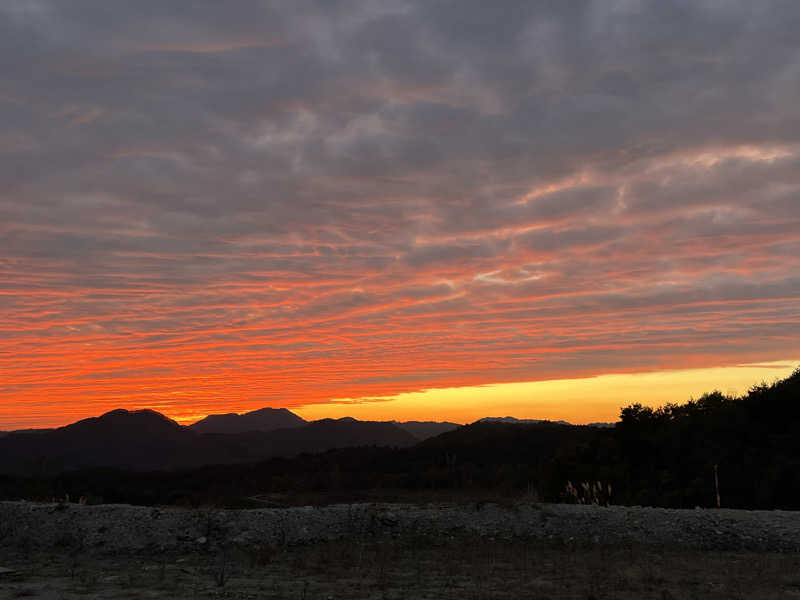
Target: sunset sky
column 394, row 209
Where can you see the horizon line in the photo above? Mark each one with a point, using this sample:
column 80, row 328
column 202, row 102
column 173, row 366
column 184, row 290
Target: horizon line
column 603, row 395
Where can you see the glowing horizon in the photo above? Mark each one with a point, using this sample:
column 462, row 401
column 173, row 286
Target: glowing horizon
column 597, row 398
column 591, row 399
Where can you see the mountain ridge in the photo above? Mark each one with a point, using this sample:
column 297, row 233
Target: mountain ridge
column 146, row 440
column 262, row 419
column 270, row 419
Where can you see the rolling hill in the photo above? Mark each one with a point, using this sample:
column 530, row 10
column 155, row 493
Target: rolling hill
column 145, row 440
column 264, row 419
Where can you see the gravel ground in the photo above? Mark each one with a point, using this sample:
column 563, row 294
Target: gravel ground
column 122, row 528
column 391, row 551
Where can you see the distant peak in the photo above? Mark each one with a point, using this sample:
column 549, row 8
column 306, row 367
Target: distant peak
column 509, row 419
column 117, row 412
column 261, row 419
column 124, row 412
column 142, row 413
column 267, row 410
column 339, row 420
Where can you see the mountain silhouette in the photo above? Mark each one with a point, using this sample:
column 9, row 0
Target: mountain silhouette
column 270, row 419
column 142, row 439
column 662, row 456
column 422, row 430
column 316, row 436
column 145, row 440
column 264, row 419
column 514, row 420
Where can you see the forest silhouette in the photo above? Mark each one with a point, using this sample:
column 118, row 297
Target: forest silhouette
column 653, row 456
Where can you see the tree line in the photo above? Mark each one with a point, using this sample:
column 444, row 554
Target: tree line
column 662, row 456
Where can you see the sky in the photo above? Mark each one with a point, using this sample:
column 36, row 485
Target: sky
column 426, row 206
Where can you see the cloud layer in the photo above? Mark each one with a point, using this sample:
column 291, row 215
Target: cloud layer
column 206, row 205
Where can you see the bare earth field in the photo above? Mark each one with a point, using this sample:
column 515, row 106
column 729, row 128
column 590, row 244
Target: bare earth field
column 470, row 551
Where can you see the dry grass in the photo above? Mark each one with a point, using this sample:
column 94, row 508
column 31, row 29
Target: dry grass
column 459, row 567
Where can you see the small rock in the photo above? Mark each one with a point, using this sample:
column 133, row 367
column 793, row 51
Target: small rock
column 202, row 539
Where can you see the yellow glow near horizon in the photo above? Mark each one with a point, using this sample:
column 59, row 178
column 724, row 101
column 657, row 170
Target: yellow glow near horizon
column 578, row 401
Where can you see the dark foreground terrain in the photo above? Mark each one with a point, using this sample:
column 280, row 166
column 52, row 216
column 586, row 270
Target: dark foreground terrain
column 397, row 551
column 670, row 456
column 461, row 566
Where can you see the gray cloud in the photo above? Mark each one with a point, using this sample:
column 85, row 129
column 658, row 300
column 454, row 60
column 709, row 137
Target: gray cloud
column 416, row 170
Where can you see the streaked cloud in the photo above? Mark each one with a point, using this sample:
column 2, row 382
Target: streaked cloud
column 223, row 206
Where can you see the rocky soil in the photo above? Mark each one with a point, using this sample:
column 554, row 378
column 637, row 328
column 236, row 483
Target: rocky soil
column 392, row 551
column 123, row 528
